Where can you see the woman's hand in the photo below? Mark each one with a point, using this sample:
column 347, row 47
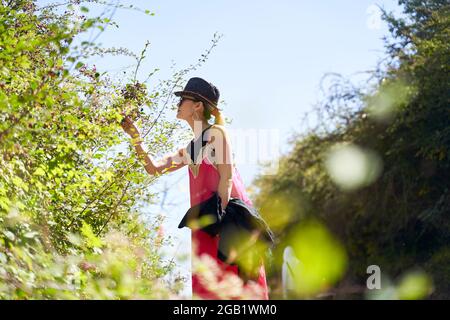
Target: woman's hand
column 129, row 127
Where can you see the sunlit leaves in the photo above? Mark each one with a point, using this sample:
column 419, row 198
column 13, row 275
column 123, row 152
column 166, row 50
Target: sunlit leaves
column 352, row 167
column 279, row 211
column 410, row 285
column 92, row 241
column 60, row 182
column 323, row 259
column 245, row 249
column 201, row 222
column 390, row 97
column 414, row 285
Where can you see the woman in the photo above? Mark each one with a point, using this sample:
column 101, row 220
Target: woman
column 211, row 170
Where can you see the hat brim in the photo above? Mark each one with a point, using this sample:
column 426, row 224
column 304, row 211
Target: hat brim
column 197, row 96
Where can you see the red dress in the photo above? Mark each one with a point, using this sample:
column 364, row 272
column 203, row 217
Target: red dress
column 203, row 182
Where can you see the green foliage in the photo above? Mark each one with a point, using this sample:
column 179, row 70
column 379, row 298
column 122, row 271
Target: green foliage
column 69, row 226
column 400, row 221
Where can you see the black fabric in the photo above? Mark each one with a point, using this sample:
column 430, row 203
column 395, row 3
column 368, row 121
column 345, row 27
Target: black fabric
column 237, row 218
column 211, row 208
column 194, row 147
column 201, row 90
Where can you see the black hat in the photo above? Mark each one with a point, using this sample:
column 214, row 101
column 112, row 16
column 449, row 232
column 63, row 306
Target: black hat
column 201, row 90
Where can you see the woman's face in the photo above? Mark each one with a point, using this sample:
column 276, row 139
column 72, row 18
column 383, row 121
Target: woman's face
column 187, row 107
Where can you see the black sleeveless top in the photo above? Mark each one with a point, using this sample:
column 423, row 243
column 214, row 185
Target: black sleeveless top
column 195, row 147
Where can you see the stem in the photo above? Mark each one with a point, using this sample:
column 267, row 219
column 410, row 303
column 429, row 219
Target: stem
column 115, row 209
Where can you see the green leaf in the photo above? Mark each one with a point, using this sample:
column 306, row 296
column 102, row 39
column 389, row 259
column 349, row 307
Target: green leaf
column 30, row 235
column 91, row 239
column 8, row 234
column 39, row 172
column 19, row 183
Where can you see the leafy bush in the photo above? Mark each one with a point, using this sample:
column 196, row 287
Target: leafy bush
column 69, row 202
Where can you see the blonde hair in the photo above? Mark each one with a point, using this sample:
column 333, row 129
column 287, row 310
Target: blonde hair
column 209, row 111
column 218, row 118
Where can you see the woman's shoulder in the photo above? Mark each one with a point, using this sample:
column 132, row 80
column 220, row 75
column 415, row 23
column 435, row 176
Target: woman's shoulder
column 217, row 130
column 219, row 127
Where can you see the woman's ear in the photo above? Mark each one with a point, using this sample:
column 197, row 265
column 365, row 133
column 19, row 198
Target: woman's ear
column 198, row 106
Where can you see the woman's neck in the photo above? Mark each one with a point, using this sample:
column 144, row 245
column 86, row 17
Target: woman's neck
column 198, row 127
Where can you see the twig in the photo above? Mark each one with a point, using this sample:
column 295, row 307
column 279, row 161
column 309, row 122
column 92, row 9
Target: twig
column 114, row 209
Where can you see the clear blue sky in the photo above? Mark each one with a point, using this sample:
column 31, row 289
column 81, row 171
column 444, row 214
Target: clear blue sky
column 267, row 65
column 271, row 57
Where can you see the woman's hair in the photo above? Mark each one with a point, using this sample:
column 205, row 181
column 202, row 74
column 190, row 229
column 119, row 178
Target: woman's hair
column 208, row 111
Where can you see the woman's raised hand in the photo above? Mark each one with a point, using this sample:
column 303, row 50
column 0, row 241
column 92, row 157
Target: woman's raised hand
column 129, row 127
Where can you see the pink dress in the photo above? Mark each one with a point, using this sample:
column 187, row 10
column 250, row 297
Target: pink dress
column 203, row 182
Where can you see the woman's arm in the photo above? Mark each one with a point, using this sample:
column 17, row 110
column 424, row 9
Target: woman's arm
column 223, row 156
column 169, row 163
column 225, row 184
